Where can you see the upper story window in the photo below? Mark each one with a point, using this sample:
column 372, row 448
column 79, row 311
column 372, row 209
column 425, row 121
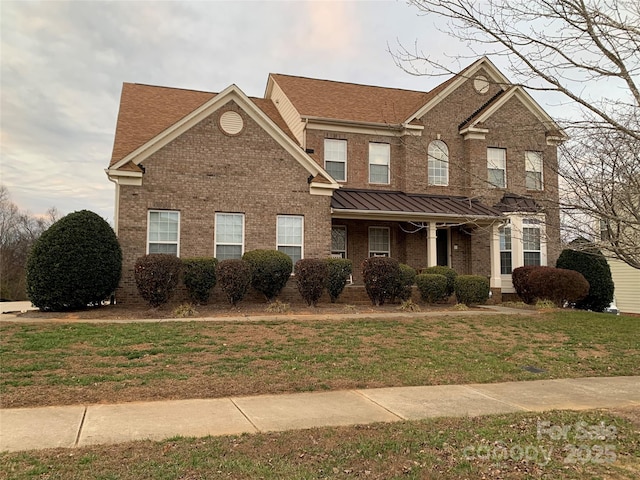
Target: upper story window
column 339, row 241
column 379, row 162
column 229, row 233
column 163, row 232
column 531, row 241
column 533, row 170
column 497, row 167
column 290, row 235
column 438, row 170
column 335, row 158
column 379, row 244
column 506, row 264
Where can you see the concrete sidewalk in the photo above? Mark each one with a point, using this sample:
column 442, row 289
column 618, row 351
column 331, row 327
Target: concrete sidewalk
column 78, row 425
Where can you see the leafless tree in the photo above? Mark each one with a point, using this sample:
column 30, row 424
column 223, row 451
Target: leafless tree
column 588, row 53
column 18, row 231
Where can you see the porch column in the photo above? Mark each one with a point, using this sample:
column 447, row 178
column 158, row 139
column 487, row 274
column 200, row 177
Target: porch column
column 494, row 252
column 432, row 251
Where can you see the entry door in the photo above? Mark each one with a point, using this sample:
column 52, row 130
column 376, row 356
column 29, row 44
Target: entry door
column 442, row 247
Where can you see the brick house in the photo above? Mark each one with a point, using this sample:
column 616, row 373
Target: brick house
column 463, row 175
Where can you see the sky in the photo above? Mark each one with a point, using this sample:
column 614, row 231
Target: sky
column 63, row 65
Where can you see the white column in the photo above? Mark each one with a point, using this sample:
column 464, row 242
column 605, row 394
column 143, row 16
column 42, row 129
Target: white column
column 494, row 252
column 432, row 251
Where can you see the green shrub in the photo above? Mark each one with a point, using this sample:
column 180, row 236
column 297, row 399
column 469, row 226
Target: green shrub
column 590, row 262
column 380, row 275
column 75, row 263
column 234, row 278
column 520, row 280
column 157, row 277
column 432, row 286
column 270, row 271
column 339, row 270
column 199, row 278
column 406, row 279
column 472, row 289
column 558, row 285
column 311, row 277
column 448, row 272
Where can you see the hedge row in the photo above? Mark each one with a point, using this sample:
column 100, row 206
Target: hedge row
column 559, row 285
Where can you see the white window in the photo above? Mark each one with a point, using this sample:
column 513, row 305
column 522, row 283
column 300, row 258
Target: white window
column 438, row 170
column 379, row 245
column 335, row 158
column 379, row 161
column 533, row 170
column 163, row 234
column 229, row 233
column 531, row 241
column 506, row 265
column 290, row 235
column 339, row 241
column 497, row 167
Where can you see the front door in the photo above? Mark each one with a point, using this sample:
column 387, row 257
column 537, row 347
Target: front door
column 442, row 247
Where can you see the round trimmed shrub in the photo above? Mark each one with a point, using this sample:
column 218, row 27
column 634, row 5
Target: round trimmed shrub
column 380, row 275
column 433, row 287
column 339, row 270
column 234, row 278
column 448, row 272
column 270, row 271
column 311, row 276
column 520, row 280
column 590, row 262
column 472, row 289
column 406, row 279
column 559, row 285
column 199, row 278
column 75, row 263
column 157, row 276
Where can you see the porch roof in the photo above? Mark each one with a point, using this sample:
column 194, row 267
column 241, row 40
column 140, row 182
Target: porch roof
column 394, row 205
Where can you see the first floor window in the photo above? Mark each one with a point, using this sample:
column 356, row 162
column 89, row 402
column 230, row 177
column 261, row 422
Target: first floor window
column 163, row 232
column 290, row 235
column 533, row 170
column 497, row 167
column 379, row 161
column 229, row 233
column 531, row 241
column 379, row 245
column 335, row 158
column 505, row 250
column 339, row 241
column 438, row 163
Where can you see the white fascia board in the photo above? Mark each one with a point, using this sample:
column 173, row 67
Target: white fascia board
column 124, row 177
column 407, row 216
column 322, row 189
column 474, row 133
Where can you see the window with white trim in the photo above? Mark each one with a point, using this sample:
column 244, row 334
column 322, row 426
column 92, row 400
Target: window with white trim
column 506, row 265
column 379, row 162
column 497, row 167
column 531, row 241
column 290, row 235
column 379, row 244
column 533, row 170
column 335, row 158
column 163, row 232
column 438, row 163
column 229, row 235
column 339, row 241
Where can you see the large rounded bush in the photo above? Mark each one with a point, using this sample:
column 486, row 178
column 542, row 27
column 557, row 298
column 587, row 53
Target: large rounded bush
column 380, row 275
column 157, row 277
column 433, row 287
column 270, row 271
column 559, row 285
column 472, row 289
column 75, row 263
column 448, row 272
column 234, row 278
column 199, row 277
column 593, row 266
column 311, row 276
column 339, row 271
column 403, row 288
column 521, row 284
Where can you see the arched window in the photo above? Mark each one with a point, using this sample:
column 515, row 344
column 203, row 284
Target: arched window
column 438, row 170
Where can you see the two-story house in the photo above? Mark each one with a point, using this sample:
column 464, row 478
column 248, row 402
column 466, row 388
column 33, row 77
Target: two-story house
column 463, row 175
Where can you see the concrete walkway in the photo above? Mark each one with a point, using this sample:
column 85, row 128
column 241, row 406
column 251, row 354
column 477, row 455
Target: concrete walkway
column 79, row 425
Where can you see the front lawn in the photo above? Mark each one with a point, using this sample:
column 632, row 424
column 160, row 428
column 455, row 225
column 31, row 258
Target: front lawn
column 57, row 364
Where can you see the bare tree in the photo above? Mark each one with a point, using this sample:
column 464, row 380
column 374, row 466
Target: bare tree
column 18, row 231
column 588, row 52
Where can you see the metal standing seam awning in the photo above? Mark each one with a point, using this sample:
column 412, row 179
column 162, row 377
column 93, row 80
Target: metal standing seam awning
column 400, row 206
